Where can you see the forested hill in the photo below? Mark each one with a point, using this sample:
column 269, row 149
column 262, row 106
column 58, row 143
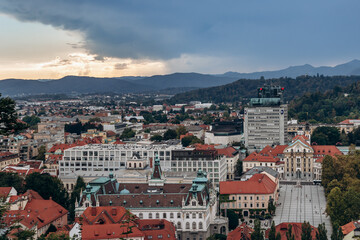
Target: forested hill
column 246, row 88
column 331, row 106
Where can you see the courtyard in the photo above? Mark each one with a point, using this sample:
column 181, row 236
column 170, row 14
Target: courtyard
column 302, row 203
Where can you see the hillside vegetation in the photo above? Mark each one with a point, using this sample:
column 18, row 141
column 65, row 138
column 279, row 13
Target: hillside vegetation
column 328, row 107
column 244, row 89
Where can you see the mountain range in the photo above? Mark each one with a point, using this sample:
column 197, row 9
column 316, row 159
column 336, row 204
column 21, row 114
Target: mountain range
column 177, row 82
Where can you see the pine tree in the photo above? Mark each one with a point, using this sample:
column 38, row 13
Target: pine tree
column 257, row 234
column 272, row 232
column 306, row 231
column 321, row 233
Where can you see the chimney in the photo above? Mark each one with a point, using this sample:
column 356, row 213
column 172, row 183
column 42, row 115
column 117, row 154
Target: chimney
column 93, row 211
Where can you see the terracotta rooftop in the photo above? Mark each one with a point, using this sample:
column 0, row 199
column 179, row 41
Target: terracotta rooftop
column 257, row 184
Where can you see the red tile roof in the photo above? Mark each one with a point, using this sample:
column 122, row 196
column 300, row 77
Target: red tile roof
column 110, row 231
column 323, row 150
column 347, row 228
column 241, row 232
column 257, row 184
column 37, row 212
column 257, row 157
column 4, row 192
column 296, row 230
column 228, row 152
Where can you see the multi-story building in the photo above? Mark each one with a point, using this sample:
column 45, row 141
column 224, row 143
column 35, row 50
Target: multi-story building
column 254, row 193
column 8, row 158
column 105, row 158
column 191, row 207
column 265, row 120
column 209, row 161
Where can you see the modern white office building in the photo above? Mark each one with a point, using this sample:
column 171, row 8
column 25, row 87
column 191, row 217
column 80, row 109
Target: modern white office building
column 265, row 120
column 105, row 158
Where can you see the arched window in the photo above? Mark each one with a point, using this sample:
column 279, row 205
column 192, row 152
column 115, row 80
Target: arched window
column 150, row 215
column 171, row 215
column 200, row 215
column 187, row 225
column 179, row 225
column 140, row 215
column 200, row 225
column 129, row 165
column 194, row 215
column 194, row 225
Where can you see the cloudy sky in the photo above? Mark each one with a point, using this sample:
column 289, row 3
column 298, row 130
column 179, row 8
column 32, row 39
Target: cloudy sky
column 54, row 38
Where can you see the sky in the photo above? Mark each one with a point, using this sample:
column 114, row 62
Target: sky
column 49, row 39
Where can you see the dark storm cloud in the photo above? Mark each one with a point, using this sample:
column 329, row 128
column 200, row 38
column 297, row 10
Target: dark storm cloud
column 165, row 29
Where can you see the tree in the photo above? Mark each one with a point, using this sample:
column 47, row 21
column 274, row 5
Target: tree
column 217, row 236
column 8, row 117
column 306, row 231
column 257, row 234
column 24, row 234
column 272, row 232
column 321, row 234
column 127, row 133
column 238, row 168
column 271, row 206
column 48, row 186
column 181, row 130
column 278, row 236
column 170, row 134
column 41, row 153
column 12, row 180
column 335, row 206
column 233, row 219
column 289, row 233
column 337, row 232
column 31, row 120
column 75, row 196
column 156, row 138
column 326, row 135
column 189, row 140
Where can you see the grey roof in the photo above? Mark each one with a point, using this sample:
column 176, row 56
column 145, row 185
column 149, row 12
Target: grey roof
column 259, row 169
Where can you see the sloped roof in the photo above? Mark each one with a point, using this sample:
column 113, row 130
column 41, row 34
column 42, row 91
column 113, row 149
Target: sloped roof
column 257, row 184
column 241, row 232
column 296, row 230
column 330, row 150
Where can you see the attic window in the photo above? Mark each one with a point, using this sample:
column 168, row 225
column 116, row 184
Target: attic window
column 136, row 187
column 157, row 201
column 124, row 202
column 141, row 201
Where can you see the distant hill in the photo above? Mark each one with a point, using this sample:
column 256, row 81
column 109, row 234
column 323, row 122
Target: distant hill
column 177, row 82
column 346, row 69
column 246, row 88
column 170, row 84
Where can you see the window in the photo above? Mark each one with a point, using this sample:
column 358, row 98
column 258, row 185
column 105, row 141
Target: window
column 171, row 215
column 160, row 236
column 200, row 215
column 187, row 225
column 194, row 225
column 164, row 215
column 179, row 225
column 239, row 198
column 179, row 215
column 194, row 215
column 187, row 215
column 150, row 215
column 157, row 215
column 140, row 215
column 200, row 225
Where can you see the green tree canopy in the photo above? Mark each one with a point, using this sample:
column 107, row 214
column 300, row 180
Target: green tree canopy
column 31, row 120
column 325, row 136
column 189, row 140
column 48, row 186
column 257, row 234
column 127, row 133
column 321, row 234
column 8, row 179
column 8, row 117
column 156, row 138
column 306, row 231
column 233, row 219
column 170, row 134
